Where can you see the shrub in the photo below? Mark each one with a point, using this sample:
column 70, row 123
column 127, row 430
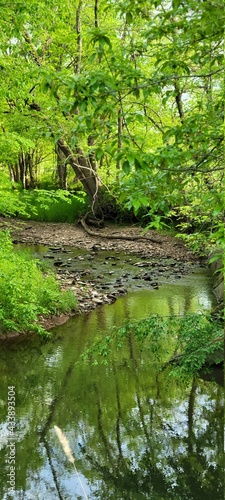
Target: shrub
column 40, row 204
column 53, row 206
column 25, row 292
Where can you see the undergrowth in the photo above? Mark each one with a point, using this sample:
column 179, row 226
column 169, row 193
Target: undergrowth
column 26, row 293
column 53, row 206
column 40, row 204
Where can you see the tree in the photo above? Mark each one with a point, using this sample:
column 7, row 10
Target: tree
column 130, row 93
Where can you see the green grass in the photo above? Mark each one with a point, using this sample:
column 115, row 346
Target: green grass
column 26, row 293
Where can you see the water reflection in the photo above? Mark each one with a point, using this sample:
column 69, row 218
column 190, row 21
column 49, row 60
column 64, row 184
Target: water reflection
column 134, row 431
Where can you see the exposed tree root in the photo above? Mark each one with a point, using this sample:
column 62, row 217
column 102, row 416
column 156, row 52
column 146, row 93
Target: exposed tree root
column 116, row 237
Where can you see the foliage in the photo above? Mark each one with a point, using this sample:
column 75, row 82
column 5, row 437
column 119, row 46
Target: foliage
column 201, row 230
column 53, row 206
column 134, row 89
column 194, row 337
column 9, row 199
column 41, row 204
column 11, row 145
column 136, row 86
column 25, row 292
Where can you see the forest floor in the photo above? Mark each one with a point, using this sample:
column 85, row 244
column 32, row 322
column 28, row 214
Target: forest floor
column 63, row 236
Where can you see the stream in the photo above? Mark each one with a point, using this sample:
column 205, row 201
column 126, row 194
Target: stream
column 135, row 432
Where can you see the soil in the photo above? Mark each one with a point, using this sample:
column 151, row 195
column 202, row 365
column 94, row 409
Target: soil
column 67, row 235
column 64, row 234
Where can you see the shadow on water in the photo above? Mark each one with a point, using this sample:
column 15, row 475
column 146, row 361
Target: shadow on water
column 135, row 432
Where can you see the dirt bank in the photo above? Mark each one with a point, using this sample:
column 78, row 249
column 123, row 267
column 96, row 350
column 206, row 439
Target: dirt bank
column 65, row 234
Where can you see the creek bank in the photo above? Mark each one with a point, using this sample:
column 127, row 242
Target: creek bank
column 64, row 234
column 100, row 276
column 125, row 264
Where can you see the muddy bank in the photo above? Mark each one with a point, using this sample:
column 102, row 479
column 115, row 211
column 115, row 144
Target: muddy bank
column 74, row 236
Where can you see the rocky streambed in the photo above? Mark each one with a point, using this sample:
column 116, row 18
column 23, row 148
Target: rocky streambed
column 99, row 276
column 99, row 269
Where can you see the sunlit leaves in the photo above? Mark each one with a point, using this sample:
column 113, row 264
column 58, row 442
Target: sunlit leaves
column 156, row 333
column 100, row 37
column 25, row 293
column 154, row 64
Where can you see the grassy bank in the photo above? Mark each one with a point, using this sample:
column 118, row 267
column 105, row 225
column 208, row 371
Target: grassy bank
column 26, row 292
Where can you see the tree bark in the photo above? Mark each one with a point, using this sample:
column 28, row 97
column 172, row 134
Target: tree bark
column 23, row 170
column 83, row 170
column 96, row 13
column 61, row 168
column 77, row 66
column 119, row 137
column 30, row 165
column 178, row 98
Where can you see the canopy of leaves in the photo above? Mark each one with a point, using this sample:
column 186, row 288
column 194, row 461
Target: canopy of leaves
column 136, row 86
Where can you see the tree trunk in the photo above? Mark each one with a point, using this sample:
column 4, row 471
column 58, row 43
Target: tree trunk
column 96, row 13
column 30, row 164
column 22, row 170
column 178, row 98
column 61, row 168
column 91, row 156
column 83, row 170
column 77, row 66
column 11, row 173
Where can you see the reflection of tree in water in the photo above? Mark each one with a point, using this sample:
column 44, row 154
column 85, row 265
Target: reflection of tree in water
column 186, row 475
column 137, row 454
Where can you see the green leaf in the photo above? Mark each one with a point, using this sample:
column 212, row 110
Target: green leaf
column 137, row 164
column 129, row 17
column 126, row 167
column 99, row 153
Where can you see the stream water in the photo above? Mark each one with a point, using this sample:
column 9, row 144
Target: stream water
column 134, row 431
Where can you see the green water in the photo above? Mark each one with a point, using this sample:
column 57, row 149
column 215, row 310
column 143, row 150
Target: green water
column 135, row 433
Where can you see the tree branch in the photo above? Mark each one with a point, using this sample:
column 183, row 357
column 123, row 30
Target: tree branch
column 96, row 14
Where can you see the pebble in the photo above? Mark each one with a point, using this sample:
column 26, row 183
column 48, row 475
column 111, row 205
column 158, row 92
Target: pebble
column 55, row 249
column 147, row 278
column 97, row 300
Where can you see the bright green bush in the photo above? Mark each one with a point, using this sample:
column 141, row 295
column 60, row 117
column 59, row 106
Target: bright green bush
column 10, row 203
column 25, row 292
column 40, row 204
column 53, row 206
